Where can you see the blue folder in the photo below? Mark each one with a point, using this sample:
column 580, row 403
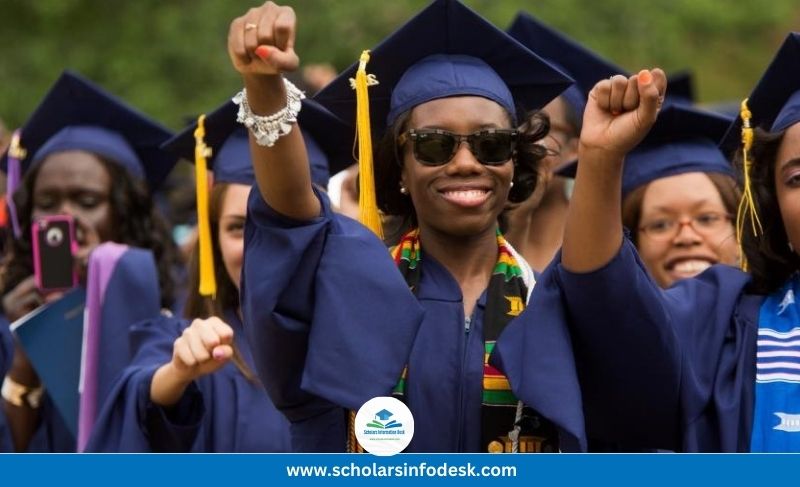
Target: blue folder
column 52, row 337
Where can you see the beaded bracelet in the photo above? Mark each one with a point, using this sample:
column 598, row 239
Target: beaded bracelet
column 268, row 129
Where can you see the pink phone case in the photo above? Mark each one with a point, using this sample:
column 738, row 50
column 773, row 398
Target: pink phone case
column 65, row 222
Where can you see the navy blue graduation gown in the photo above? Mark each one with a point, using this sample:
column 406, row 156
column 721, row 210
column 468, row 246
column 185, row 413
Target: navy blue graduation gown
column 131, row 295
column 220, row 412
column 332, row 323
column 672, row 369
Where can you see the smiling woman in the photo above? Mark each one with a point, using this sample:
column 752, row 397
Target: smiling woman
column 680, row 197
column 190, row 386
column 342, row 319
column 711, row 363
column 469, row 178
column 683, row 224
column 686, row 225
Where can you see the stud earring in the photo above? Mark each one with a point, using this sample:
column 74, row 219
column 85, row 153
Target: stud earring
column 511, row 185
column 403, row 189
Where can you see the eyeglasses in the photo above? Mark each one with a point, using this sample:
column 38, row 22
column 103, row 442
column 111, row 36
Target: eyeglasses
column 435, row 147
column 706, row 224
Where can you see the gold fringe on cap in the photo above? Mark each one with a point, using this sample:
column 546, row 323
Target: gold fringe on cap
column 747, row 205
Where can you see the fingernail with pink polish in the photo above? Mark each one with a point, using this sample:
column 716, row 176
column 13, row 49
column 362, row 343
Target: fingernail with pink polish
column 262, row 52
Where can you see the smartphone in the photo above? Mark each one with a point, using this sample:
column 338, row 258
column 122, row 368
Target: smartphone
column 54, row 247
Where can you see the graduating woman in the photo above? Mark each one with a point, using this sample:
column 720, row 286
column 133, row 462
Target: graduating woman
column 186, row 390
column 340, row 319
column 85, row 154
column 710, row 364
column 680, row 197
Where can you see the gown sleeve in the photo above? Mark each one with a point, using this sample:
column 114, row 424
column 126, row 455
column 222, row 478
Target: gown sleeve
column 329, row 318
column 648, row 358
column 129, row 421
column 652, row 364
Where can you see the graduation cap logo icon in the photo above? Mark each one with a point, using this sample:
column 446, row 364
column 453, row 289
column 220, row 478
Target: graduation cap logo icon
column 384, row 426
column 381, row 416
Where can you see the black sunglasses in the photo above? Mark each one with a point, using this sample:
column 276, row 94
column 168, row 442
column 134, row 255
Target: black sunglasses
column 435, row 147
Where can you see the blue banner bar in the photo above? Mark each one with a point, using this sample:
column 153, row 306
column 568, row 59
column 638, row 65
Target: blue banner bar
column 256, row 470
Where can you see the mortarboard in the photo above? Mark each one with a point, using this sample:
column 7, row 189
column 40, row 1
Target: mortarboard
column 77, row 114
column 775, row 101
column 773, row 105
column 583, row 65
column 445, row 50
column 328, row 142
column 683, row 140
column 681, row 88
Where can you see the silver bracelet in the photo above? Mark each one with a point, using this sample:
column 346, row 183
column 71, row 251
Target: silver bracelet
column 268, row 129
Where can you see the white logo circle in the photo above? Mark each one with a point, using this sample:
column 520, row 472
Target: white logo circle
column 384, row 426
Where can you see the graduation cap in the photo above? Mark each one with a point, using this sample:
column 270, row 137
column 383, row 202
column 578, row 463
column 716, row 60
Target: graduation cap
column 773, row 105
column 222, row 144
column 383, row 415
column 683, row 140
column 681, row 88
column 473, row 57
column 77, row 114
column 328, row 142
column 445, row 50
column 583, row 65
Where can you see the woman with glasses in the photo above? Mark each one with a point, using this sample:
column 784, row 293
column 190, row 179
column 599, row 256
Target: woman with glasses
column 340, row 319
column 679, row 196
column 711, row 363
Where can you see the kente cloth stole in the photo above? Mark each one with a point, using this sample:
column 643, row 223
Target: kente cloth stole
column 507, row 295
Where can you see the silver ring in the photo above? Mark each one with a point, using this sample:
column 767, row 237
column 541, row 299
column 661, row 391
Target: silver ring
column 249, row 26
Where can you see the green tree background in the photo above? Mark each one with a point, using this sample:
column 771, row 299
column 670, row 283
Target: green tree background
column 168, row 57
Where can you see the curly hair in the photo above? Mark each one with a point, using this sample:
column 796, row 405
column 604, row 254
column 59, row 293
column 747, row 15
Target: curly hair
column 137, row 223
column 770, row 259
column 389, row 166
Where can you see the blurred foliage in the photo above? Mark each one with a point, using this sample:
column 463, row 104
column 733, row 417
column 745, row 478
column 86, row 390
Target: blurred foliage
column 168, row 57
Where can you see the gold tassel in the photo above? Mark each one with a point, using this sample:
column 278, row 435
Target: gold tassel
column 208, row 283
column 747, row 205
column 367, row 202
